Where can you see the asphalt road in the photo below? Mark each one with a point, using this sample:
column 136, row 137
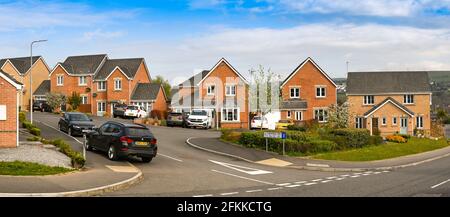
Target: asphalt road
column 180, row 170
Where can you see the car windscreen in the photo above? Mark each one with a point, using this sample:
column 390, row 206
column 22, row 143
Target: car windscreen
column 138, row 132
column 132, row 107
column 175, row 114
column 202, row 113
column 78, row 117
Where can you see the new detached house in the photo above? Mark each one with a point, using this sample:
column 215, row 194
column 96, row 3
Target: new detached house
column 307, row 93
column 390, row 102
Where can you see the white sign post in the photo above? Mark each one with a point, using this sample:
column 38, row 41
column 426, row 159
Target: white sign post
column 85, row 141
column 275, row 135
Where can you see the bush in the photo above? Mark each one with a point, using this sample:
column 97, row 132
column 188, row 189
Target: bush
column 77, row 159
column 375, row 140
column 350, row 138
column 296, row 128
column 34, row 139
column 28, row 125
column 396, row 138
column 35, row 131
column 230, row 135
column 22, row 117
column 163, row 122
column 405, row 136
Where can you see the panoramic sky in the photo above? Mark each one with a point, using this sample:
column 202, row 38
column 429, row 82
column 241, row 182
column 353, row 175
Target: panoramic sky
column 180, row 37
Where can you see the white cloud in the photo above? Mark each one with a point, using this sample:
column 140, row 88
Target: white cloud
column 100, row 34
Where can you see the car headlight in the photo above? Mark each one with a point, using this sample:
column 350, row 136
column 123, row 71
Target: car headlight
column 76, row 127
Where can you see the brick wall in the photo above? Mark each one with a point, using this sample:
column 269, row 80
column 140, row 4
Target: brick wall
column 8, row 128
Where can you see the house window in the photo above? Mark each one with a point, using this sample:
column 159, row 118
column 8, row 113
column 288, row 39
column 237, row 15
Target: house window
column 419, row 122
column 383, row 121
column 84, row 100
column 299, row 116
column 394, row 121
column 408, row 99
column 101, row 86
column 117, row 84
column 101, row 106
column 320, row 92
column 230, row 114
column 230, row 90
column 60, row 80
column 288, row 114
column 211, row 90
column 295, row 93
column 82, row 81
column 359, row 123
column 369, row 100
column 321, row 115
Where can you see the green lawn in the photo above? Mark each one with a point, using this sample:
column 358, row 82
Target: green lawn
column 18, row 168
column 385, row 151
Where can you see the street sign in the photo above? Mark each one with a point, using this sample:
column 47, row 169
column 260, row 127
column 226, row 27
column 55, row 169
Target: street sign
column 275, row 135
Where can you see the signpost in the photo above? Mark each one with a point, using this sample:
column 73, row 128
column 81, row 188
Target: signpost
column 85, row 141
column 275, row 135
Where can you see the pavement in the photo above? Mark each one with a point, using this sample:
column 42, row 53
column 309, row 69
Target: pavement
column 217, row 146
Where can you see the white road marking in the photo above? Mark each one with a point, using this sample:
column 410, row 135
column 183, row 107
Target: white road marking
column 325, row 181
column 311, row 183
column 316, row 180
column 292, row 186
column 355, row 176
column 339, row 179
column 368, row 172
column 386, row 171
column 242, row 177
column 61, row 132
column 435, row 186
column 332, row 177
column 273, row 189
column 205, row 195
column 345, row 175
column 376, row 173
column 301, row 182
column 283, row 184
column 175, row 159
column 248, row 170
column 251, row 191
column 229, row 193
column 317, row 165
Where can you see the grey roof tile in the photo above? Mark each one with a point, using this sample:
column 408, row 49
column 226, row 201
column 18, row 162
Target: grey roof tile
column 10, row 77
column 22, row 64
column 294, row 104
column 43, row 88
column 128, row 66
column 145, row 91
column 86, row 64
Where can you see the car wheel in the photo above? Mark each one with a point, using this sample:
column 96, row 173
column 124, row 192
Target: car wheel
column 146, row 159
column 87, row 146
column 112, row 153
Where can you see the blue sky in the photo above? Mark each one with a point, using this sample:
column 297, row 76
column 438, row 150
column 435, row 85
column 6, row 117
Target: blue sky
column 179, row 37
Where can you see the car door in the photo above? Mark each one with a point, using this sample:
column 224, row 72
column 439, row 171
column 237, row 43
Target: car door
column 65, row 122
column 99, row 139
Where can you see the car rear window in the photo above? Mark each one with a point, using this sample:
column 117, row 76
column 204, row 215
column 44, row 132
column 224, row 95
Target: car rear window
column 132, row 107
column 138, row 131
column 78, row 117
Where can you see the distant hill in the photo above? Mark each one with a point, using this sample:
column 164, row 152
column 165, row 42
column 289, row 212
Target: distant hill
column 439, row 76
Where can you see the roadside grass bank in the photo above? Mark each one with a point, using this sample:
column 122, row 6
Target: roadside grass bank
column 18, row 168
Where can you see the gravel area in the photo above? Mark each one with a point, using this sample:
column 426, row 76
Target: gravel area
column 35, row 153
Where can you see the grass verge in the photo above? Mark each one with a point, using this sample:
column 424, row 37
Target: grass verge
column 18, row 168
column 385, row 151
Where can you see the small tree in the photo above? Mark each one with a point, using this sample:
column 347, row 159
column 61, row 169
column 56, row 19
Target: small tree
column 339, row 116
column 55, row 100
column 74, row 100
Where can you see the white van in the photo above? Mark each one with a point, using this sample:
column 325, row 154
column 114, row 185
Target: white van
column 200, row 118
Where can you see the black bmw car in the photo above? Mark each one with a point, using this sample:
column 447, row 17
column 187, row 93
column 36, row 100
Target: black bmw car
column 121, row 140
column 73, row 123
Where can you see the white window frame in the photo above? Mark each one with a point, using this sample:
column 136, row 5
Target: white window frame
column 59, row 80
column 225, row 111
column 394, row 121
column 99, row 86
column 366, row 100
column 288, row 115
column 211, row 90
column 229, row 89
column 296, row 113
column 408, row 99
column 296, row 93
column 419, row 122
column 325, row 118
column 322, row 92
column 383, row 121
column 115, row 83
column 82, row 81
column 99, row 106
column 84, row 102
column 359, row 122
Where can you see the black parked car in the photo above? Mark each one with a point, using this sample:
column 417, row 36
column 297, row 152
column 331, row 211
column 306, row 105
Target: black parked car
column 74, row 123
column 39, row 105
column 123, row 140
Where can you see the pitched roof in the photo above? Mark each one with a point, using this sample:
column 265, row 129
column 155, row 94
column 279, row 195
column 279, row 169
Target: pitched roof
column 81, row 65
column 294, row 104
column 393, row 101
column 309, row 59
column 387, row 82
column 223, row 60
column 145, row 91
column 22, row 64
column 128, row 66
column 192, row 81
column 43, row 88
column 10, row 79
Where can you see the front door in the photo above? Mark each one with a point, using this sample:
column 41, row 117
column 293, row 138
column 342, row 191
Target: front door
column 374, row 125
column 403, row 125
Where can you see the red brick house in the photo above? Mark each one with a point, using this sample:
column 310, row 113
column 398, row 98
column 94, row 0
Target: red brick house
column 221, row 89
column 104, row 82
column 9, row 110
column 307, row 93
